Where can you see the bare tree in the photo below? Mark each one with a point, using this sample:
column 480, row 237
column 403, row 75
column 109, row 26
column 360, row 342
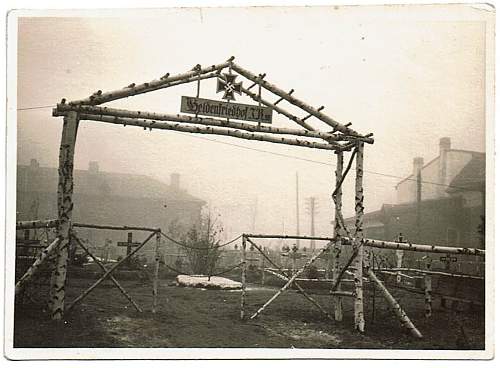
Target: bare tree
column 203, row 240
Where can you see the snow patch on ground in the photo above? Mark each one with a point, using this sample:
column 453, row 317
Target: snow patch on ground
column 200, row 281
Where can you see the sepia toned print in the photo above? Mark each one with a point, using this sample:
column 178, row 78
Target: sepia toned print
column 324, row 193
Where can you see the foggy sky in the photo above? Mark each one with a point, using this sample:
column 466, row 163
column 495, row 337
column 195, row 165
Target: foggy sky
column 410, row 75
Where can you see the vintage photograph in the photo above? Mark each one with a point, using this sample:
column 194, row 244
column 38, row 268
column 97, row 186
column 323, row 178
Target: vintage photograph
column 276, row 182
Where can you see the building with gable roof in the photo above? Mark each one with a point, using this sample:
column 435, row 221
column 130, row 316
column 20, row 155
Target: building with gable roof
column 107, row 198
column 451, row 209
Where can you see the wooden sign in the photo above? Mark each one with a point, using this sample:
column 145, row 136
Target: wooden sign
column 222, row 109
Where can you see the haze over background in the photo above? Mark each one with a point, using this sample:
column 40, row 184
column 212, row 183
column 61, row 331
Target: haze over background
column 410, row 75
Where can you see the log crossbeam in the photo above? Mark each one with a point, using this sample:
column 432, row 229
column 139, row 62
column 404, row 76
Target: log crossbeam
column 294, row 101
column 380, row 244
column 167, row 81
column 208, row 129
column 62, row 109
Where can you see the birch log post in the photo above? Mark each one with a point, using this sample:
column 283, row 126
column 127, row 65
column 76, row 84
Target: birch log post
column 157, row 270
column 399, row 263
column 428, row 293
column 359, row 319
column 337, row 199
column 243, row 276
column 65, row 211
column 396, row 308
column 35, row 267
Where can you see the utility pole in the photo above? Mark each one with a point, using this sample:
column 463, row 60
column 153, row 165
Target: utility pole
column 297, row 206
column 311, row 208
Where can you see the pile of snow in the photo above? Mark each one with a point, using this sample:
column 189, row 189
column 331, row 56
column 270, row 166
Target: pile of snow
column 200, row 281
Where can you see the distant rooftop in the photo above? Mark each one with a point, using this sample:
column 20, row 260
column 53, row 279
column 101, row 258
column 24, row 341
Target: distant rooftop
column 94, row 182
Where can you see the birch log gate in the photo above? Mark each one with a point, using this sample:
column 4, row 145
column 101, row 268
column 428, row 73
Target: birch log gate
column 341, row 138
column 291, row 280
column 65, row 211
column 284, row 277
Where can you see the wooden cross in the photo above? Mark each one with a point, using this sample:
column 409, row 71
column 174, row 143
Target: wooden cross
column 129, row 244
column 294, row 255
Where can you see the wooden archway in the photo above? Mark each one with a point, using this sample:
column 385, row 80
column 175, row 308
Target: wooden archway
column 338, row 138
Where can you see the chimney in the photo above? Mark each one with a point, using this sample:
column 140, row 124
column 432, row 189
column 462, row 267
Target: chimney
column 175, row 179
column 93, row 167
column 444, row 147
column 444, row 144
column 418, row 163
column 34, row 164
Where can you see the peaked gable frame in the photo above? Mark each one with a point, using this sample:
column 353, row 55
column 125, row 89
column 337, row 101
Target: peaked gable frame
column 341, row 138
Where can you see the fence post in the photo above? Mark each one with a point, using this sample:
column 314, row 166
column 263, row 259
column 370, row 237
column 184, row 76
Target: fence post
column 428, row 293
column 243, row 276
column 157, row 270
column 399, row 258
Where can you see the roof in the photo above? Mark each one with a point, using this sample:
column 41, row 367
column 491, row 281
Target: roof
column 472, row 176
column 45, row 179
column 401, row 209
column 474, row 153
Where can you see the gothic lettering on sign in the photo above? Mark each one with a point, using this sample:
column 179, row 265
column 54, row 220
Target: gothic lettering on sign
column 221, row 109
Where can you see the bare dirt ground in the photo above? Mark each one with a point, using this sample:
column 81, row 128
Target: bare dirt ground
column 189, row 317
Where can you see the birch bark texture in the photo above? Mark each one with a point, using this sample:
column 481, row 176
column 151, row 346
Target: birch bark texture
column 243, row 276
column 35, row 267
column 428, row 293
column 157, row 270
column 65, row 212
column 396, row 308
column 337, row 248
column 359, row 319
